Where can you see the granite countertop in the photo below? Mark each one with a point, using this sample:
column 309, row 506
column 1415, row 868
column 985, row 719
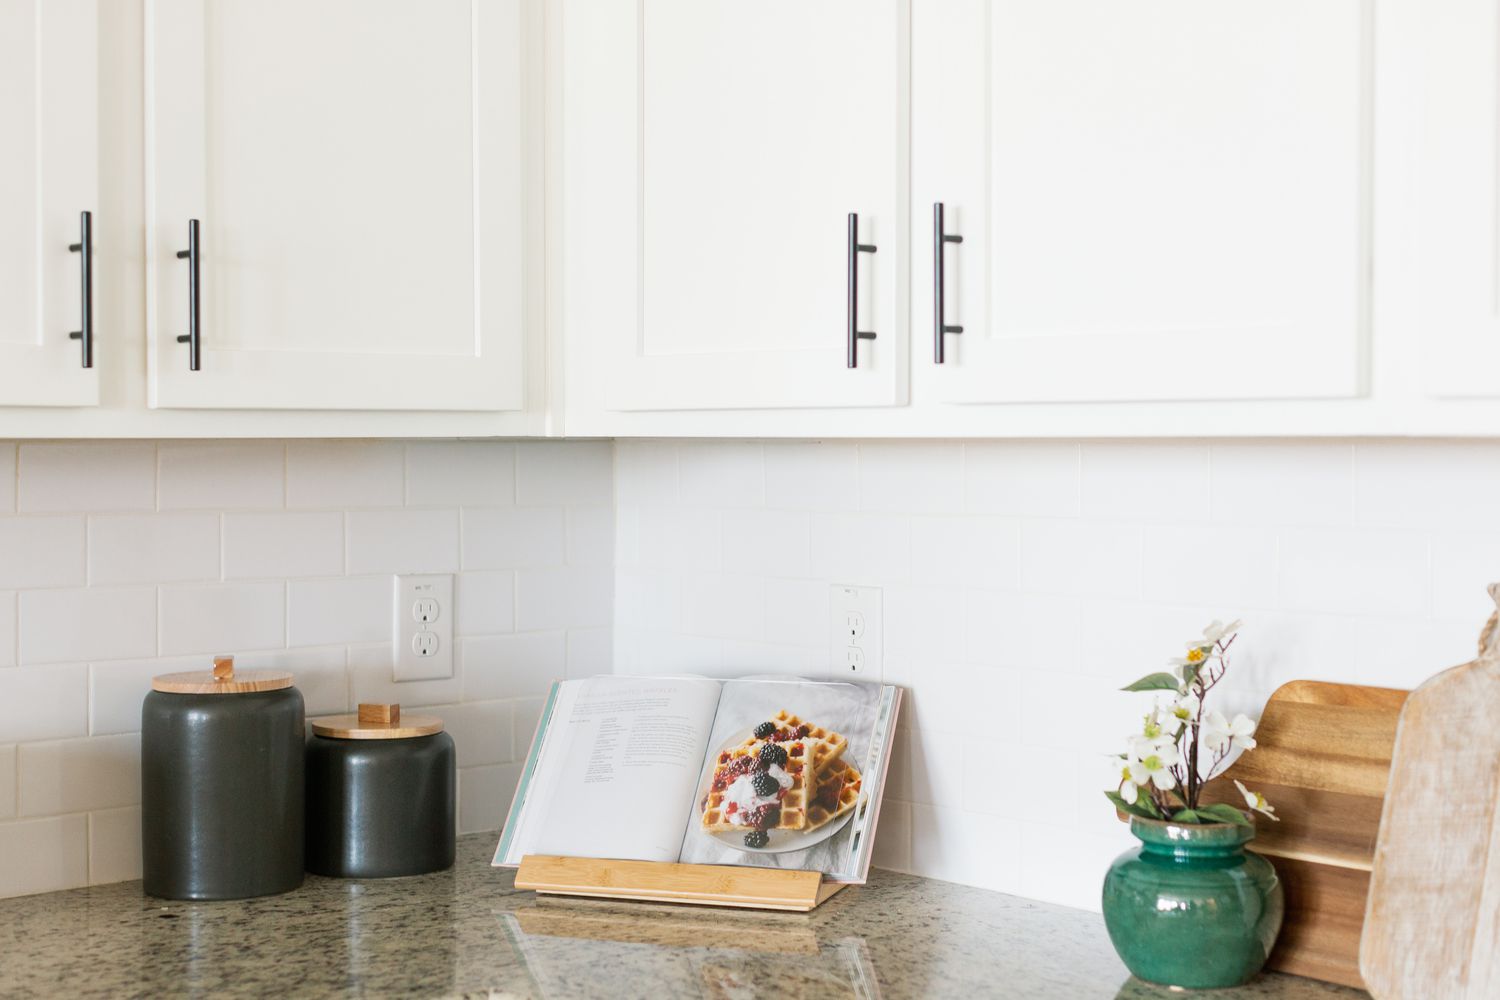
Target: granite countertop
column 468, row 931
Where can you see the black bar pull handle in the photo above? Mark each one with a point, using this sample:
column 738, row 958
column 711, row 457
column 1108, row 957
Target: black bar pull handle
column 85, row 250
column 194, row 337
column 854, row 333
column 940, row 239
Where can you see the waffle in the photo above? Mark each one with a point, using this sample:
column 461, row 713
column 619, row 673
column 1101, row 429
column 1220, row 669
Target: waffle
column 731, row 764
column 838, row 792
column 827, row 745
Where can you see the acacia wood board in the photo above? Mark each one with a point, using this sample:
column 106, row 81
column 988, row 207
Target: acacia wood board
column 1322, row 759
column 673, row 882
column 1432, row 925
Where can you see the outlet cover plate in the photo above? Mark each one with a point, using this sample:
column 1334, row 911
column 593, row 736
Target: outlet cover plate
column 422, row 627
column 856, row 633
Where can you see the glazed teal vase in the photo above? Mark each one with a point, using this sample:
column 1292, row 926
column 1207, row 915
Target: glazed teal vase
column 1190, row 907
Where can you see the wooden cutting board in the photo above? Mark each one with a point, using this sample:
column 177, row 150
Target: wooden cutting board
column 1322, row 760
column 1432, row 927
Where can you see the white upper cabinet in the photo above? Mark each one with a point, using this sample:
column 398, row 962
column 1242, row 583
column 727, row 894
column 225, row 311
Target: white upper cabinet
column 1163, row 201
column 1457, row 193
column 360, row 173
column 48, row 179
column 714, row 154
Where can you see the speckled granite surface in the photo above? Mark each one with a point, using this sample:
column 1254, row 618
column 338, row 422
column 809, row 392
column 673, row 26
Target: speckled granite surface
column 468, row 932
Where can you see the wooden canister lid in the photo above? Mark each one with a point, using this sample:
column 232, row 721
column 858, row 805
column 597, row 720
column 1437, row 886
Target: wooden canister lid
column 222, row 679
column 377, row 722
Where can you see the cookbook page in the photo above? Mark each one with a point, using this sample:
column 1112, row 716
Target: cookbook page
column 793, row 776
column 612, row 771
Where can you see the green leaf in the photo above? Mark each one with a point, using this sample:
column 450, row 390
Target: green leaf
column 1186, row 816
column 1154, row 682
column 1223, row 812
column 1142, row 806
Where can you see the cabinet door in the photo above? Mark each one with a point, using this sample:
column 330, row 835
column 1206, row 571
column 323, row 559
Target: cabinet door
column 1158, row 201
column 1457, row 159
column 752, row 132
column 48, row 178
column 359, row 172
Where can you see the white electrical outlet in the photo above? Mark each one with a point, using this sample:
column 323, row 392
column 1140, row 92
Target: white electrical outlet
column 854, row 632
column 422, row 635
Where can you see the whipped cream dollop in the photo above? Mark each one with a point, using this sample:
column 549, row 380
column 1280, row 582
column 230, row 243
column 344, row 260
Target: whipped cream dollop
column 741, row 792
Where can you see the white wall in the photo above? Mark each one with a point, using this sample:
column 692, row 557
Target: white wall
column 121, row 561
column 1024, row 583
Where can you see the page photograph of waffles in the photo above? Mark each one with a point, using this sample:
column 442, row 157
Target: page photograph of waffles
column 788, row 771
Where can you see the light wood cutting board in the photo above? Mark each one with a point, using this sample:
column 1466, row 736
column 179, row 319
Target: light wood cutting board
column 1432, row 928
column 1323, row 756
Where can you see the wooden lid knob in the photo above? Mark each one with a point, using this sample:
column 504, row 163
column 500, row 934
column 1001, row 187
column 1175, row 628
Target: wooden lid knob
column 389, row 715
column 223, row 669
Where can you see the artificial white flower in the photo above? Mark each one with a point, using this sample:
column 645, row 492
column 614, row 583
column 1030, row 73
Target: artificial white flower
column 1182, row 711
column 1216, row 631
column 1128, row 788
column 1196, row 657
column 1155, row 767
column 1257, row 801
column 1219, row 733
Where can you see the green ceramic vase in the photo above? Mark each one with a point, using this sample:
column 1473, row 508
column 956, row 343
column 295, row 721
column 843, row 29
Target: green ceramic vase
column 1190, row 907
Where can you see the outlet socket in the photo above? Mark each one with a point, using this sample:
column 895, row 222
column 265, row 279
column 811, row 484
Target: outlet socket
column 855, row 634
column 422, row 632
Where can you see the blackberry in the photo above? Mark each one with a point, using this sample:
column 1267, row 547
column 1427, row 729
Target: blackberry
column 765, row 784
column 757, row 838
column 764, row 729
column 772, row 754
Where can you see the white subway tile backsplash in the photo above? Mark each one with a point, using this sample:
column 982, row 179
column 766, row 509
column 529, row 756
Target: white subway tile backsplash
column 1282, row 483
column 911, row 477
column 1228, row 567
column 283, row 544
column 1346, row 571
column 481, row 731
column 56, row 850
column 69, row 776
column 566, row 597
column 590, row 652
column 113, row 476
column 104, row 623
column 7, row 782
column 146, row 548
column 725, row 474
column 775, row 543
column 7, row 478
column 1081, row 557
column 460, row 474
column 326, row 612
column 486, row 603
column 221, row 475
column 115, row 845
column 552, row 473
column 861, row 548
column 812, row 475
column 646, row 473
column 43, row 552
column 956, row 845
column 1130, row 480
column 1426, row 484
column 520, row 665
column 1463, row 567
column 591, row 536
column 893, row 837
column 968, row 551
column 1022, row 478
column 7, row 629
column 345, row 474
column 923, row 624
column 320, row 674
column 515, row 537
column 797, row 612
column 117, row 688
column 484, row 795
column 222, row 618
column 402, row 541
column 679, row 539
column 370, row 680
column 729, row 607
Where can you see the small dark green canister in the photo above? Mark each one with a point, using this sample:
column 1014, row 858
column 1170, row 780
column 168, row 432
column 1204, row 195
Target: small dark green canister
column 380, row 794
column 221, row 784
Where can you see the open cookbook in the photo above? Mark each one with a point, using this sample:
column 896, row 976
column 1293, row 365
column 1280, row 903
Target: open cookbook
column 771, row 773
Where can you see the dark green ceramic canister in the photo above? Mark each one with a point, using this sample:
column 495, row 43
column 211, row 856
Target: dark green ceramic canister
column 1190, row 907
column 381, row 794
column 221, row 784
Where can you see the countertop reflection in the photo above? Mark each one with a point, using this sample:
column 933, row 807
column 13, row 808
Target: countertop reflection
column 468, row 932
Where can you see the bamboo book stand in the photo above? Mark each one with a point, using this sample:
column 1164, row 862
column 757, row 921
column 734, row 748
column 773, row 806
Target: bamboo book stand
column 669, row 882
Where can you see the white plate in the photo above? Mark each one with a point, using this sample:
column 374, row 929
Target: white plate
column 781, row 840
